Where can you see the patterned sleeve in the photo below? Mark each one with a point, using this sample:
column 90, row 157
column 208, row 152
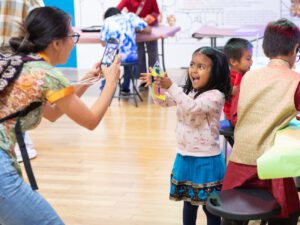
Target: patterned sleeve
column 137, row 22
column 206, row 102
column 104, row 32
column 56, row 86
column 168, row 102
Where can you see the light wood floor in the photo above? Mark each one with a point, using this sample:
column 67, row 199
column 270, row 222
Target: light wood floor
column 116, row 174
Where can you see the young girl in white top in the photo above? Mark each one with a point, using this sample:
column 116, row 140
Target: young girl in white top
column 199, row 166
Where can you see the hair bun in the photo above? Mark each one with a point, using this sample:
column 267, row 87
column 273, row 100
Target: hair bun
column 20, row 44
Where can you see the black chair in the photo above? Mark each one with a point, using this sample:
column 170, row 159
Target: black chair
column 227, row 130
column 133, row 92
column 243, row 205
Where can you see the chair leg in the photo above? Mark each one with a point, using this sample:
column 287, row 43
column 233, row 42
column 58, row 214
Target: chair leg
column 134, row 93
column 135, row 83
column 225, row 150
column 120, row 87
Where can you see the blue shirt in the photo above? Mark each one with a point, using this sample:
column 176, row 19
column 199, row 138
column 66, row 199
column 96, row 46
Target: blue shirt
column 123, row 27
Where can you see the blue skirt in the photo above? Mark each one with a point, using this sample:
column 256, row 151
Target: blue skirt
column 193, row 179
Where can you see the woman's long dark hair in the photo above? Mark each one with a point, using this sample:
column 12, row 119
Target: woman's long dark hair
column 219, row 75
column 40, row 28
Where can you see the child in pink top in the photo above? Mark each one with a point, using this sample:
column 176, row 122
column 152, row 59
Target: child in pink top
column 199, row 166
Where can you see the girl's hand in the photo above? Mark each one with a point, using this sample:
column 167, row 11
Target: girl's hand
column 146, row 78
column 164, row 82
column 112, row 73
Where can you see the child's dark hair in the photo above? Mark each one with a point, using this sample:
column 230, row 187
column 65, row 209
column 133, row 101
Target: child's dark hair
column 280, row 38
column 40, row 28
column 219, row 75
column 111, row 12
column 235, row 47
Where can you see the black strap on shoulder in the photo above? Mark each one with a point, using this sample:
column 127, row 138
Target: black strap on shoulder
column 20, row 140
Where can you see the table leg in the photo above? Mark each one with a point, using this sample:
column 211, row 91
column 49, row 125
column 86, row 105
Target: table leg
column 163, row 54
column 213, row 42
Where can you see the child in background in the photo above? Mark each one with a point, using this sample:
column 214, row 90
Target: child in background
column 123, row 27
column 147, row 10
column 269, row 98
column 199, row 166
column 239, row 56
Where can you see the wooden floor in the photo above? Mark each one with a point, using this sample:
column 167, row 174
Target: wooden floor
column 116, row 174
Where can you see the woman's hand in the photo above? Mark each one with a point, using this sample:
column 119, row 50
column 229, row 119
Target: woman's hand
column 94, row 72
column 163, row 82
column 112, row 73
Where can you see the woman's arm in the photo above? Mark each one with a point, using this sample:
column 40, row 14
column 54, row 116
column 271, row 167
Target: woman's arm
column 87, row 117
column 51, row 111
column 147, row 30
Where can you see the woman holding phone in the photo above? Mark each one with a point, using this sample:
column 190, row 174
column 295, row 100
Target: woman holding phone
column 31, row 87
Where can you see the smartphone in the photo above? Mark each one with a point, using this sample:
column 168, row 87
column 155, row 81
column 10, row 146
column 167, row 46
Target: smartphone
column 110, row 52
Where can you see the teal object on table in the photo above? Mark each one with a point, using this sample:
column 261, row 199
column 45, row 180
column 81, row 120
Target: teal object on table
column 283, row 159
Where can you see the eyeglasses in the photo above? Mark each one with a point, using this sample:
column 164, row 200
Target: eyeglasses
column 75, row 36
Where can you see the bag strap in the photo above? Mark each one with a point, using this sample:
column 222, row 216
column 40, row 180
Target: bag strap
column 20, row 140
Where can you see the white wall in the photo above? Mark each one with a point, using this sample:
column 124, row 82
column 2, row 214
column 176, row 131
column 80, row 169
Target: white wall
column 190, row 14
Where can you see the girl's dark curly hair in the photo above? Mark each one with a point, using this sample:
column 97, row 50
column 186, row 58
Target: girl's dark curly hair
column 219, row 75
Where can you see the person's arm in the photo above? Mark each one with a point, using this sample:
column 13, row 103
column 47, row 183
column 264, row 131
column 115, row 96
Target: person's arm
column 146, row 78
column 234, row 105
column 147, row 30
column 233, row 91
column 103, row 43
column 51, row 111
column 237, row 83
column 155, row 10
column 104, row 33
column 122, row 5
column 89, row 118
column 207, row 103
column 152, row 17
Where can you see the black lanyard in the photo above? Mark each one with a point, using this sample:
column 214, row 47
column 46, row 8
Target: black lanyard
column 20, row 140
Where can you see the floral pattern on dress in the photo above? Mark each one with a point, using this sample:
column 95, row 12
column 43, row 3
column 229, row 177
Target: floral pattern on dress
column 35, row 80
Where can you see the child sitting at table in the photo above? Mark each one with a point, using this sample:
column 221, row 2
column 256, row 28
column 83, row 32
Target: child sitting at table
column 123, row 27
column 148, row 11
column 239, row 56
column 269, row 98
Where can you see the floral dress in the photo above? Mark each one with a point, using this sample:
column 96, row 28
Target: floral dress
column 38, row 82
